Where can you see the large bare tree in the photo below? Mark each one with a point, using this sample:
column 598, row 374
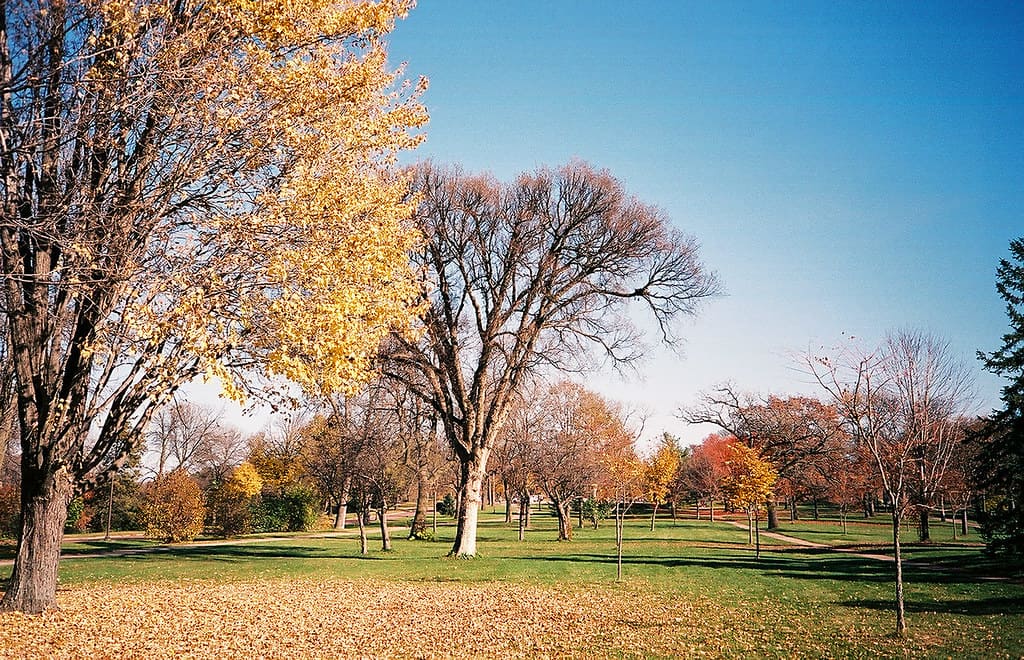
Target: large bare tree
column 905, row 402
column 528, row 276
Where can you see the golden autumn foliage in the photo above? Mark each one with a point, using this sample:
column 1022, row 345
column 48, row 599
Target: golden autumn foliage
column 173, row 510
column 244, row 481
column 750, row 479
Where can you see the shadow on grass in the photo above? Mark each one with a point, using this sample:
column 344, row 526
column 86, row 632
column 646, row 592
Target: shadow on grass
column 975, row 607
column 796, row 563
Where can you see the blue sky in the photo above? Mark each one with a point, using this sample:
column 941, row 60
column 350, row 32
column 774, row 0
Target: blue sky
column 847, row 167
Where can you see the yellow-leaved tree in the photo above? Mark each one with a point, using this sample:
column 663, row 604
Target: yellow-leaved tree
column 189, row 188
column 749, row 484
column 659, row 471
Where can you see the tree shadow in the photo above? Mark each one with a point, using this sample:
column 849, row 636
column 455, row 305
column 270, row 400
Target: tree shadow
column 973, row 607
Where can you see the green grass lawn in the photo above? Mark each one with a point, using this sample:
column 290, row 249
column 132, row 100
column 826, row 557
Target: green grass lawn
column 793, row 601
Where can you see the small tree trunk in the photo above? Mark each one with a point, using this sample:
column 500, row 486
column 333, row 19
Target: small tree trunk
column 942, row 509
column 508, row 508
column 697, row 506
column 433, row 522
column 672, row 508
column 954, row 521
column 711, row 509
column 362, row 532
column 524, row 515
column 750, row 527
column 579, row 512
column 901, row 620
column 654, row 514
column 471, row 481
column 793, row 515
column 963, row 522
column 110, row 509
column 620, row 514
column 757, row 536
column 45, row 497
column 385, row 533
column 815, row 503
column 773, row 516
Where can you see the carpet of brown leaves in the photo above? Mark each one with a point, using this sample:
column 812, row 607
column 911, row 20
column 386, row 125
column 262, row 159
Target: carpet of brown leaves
column 304, row 618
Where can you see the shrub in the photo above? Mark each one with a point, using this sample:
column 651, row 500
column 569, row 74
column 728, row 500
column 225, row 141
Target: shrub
column 231, row 503
column 294, row 510
column 447, row 507
column 78, row 517
column 173, row 510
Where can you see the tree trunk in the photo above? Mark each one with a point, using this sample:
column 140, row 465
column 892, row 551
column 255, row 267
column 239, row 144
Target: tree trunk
column 711, row 509
column 815, row 502
column 45, row 497
column 508, row 508
column 339, row 519
column 385, row 533
column 471, row 481
column 750, row 527
column 110, row 509
column 524, row 515
column 963, row 522
column 793, row 514
column 564, row 520
column 362, row 532
column 698, row 508
column 773, row 515
column 924, row 533
column 620, row 514
column 757, row 536
column 418, row 526
column 654, row 514
column 579, row 512
column 672, row 508
column 901, row 620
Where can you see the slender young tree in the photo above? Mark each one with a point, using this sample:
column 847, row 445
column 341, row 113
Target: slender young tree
column 527, row 276
column 187, row 188
column 905, row 403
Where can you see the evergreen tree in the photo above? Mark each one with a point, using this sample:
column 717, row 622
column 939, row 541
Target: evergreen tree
column 1000, row 470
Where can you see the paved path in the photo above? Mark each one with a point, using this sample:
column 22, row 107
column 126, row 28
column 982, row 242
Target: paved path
column 820, row 546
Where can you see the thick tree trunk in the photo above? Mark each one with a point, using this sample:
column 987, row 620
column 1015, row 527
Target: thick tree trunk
column 564, row 520
column 418, row 527
column 385, row 533
column 901, row 618
column 44, row 510
column 924, row 532
column 773, row 515
column 471, row 482
column 339, row 519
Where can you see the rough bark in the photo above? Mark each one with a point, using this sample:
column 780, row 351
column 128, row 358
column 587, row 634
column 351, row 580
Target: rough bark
column 418, row 526
column 564, row 520
column 924, row 532
column 471, row 478
column 44, row 506
column 773, row 515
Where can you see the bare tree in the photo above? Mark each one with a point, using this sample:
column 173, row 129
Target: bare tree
column 905, row 402
column 527, row 276
column 181, row 435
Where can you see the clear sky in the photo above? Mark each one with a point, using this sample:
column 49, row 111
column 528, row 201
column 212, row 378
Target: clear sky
column 849, row 168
